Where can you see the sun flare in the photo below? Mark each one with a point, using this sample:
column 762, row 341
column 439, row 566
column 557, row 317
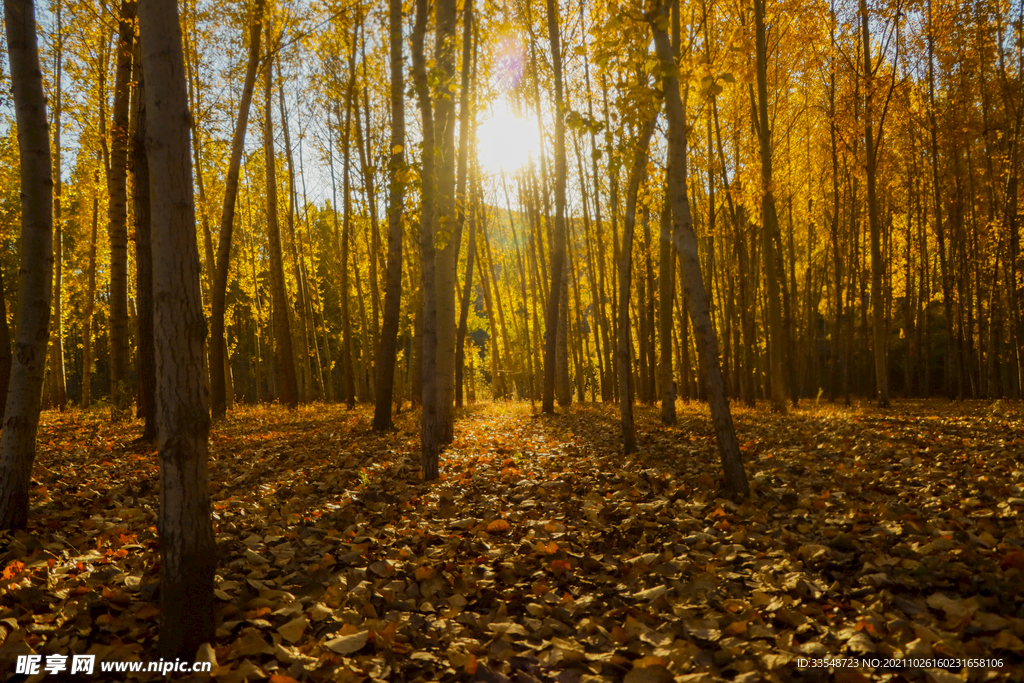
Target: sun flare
column 506, row 142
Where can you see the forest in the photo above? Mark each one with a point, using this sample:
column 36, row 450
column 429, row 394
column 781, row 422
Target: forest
column 512, row 341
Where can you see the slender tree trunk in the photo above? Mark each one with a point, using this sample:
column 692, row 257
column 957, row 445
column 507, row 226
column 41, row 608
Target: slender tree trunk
column 90, row 300
column 388, row 350
column 59, row 397
column 623, row 351
column 467, row 294
column 649, row 341
column 282, row 329
column 429, row 425
column 346, row 234
column 117, row 211
column 196, row 104
column 315, row 306
column 493, row 324
column 693, row 285
column 877, row 301
column 558, row 239
column 188, row 554
column 666, row 295
column 5, row 349
column 447, row 229
column 770, row 220
column 373, row 241
column 21, row 417
column 218, row 347
column 146, row 357
column 303, row 323
column 464, row 200
column 948, row 304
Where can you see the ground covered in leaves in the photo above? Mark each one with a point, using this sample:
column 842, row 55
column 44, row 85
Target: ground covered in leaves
column 543, row 554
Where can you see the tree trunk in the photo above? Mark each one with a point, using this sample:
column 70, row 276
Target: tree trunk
column 770, row 219
column 218, row 347
column 558, row 239
column 429, row 425
column 349, row 353
column 188, row 554
column 143, row 264
column 388, row 350
column 464, row 201
column 195, row 104
column 21, row 417
column 948, row 304
column 90, row 300
column 467, row 295
column 117, row 212
column 303, row 323
column 666, row 295
column 5, row 349
column 877, row 301
column 623, row 351
column 693, row 285
column 59, row 396
column 447, row 230
column 289, row 395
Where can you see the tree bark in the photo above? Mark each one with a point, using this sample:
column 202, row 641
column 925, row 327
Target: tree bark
column 21, row 417
column 429, row 423
column 693, row 284
column 877, row 302
column 59, row 397
column 467, row 295
column 349, row 354
column 388, row 349
column 90, row 300
column 303, row 322
column 463, row 201
column 146, row 357
column 218, row 294
column 117, row 211
column 5, row 349
column 447, row 230
column 188, row 554
column 289, row 395
column 770, row 220
column 666, row 295
column 623, row 351
column 558, row 239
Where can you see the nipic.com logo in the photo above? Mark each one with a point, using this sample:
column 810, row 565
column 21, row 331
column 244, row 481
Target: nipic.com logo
column 86, row 664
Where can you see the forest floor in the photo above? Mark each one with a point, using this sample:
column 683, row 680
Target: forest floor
column 543, row 554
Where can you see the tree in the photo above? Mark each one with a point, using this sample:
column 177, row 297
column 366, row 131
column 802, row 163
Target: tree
column 227, row 221
column 558, row 239
column 777, row 342
column 5, row 350
column 686, row 246
column 396, row 198
column 430, row 435
column 289, row 394
column 188, row 554
column 21, row 417
column 623, row 351
column 447, row 229
column 59, row 393
column 464, row 202
column 143, row 262
column 871, row 150
column 117, row 210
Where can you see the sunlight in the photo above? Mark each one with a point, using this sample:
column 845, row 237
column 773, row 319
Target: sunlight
column 506, row 142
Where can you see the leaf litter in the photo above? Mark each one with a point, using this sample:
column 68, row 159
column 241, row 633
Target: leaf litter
column 543, row 554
